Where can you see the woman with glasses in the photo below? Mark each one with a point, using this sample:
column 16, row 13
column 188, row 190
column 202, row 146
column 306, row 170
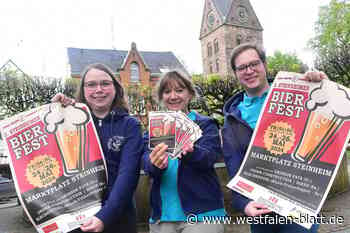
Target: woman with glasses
column 184, row 191
column 121, row 139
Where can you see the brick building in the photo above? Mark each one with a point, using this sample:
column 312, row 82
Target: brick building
column 131, row 67
column 137, row 71
column 226, row 24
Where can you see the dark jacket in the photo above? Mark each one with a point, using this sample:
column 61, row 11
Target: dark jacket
column 236, row 135
column 122, row 144
column 197, row 182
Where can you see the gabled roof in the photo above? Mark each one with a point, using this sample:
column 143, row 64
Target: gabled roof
column 78, row 58
column 227, row 12
column 10, row 65
column 223, row 6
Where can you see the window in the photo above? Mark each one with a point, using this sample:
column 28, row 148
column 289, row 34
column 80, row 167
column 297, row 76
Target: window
column 239, row 39
column 249, row 38
column 210, row 68
column 135, row 72
column 216, row 46
column 210, row 51
column 217, row 64
column 164, row 69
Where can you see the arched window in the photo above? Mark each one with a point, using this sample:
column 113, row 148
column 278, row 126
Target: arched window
column 135, row 72
column 216, row 46
column 210, row 49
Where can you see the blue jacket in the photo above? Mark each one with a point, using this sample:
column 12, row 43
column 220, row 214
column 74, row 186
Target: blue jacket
column 198, row 184
column 236, row 135
column 121, row 139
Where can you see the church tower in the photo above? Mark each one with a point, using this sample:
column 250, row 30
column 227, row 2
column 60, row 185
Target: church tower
column 226, row 24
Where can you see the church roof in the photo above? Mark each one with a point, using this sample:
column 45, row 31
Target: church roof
column 79, row 58
column 223, row 7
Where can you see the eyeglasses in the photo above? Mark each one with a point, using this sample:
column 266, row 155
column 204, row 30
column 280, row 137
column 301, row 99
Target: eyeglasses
column 251, row 65
column 104, row 84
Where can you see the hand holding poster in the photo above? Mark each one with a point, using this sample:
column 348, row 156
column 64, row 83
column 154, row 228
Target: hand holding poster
column 57, row 164
column 296, row 147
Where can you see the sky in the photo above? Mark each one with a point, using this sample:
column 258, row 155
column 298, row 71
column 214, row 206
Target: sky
column 36, row 33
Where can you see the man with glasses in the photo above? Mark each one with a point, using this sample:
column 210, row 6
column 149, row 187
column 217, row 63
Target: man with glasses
column 241, row 112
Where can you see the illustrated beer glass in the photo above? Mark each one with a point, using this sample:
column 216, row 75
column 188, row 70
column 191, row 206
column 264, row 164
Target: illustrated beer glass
column 317, row 133
column 71, row 142
column 68, row 124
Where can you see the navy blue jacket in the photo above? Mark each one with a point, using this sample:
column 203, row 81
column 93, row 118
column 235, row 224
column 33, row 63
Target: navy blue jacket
column 236, row 135
column 197, row 182
column 121, row 139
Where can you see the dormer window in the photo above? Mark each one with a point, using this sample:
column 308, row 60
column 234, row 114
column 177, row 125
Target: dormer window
column 135, row 72
column 164, row 69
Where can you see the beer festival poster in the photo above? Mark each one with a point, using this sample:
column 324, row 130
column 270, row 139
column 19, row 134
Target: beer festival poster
column 57, row 164
column 296, row 148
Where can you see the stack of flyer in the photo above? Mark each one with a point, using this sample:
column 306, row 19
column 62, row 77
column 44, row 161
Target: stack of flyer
column 174, row 129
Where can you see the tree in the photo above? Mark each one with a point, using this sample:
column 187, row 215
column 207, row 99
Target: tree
column 213, row 92
column 20, row 92
column 332, row 41
column 141, row 102
column 284, row 62
column 332, row 48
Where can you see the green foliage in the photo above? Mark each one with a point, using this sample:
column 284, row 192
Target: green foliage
column 141, row 101
column 213, row 91
column 284, row 62
column 332, row 41
column 20, row 92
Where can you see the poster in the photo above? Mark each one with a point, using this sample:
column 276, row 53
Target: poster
column 296, row 148
column 57, row 164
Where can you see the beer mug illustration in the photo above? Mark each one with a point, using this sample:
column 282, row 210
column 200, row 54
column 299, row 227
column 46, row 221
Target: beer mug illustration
column 326, row 115
column 69, row 126
column 317, row 133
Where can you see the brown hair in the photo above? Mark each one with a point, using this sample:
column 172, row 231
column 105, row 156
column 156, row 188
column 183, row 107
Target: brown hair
column 178, row 76
column 243, row 47
column 119, row 98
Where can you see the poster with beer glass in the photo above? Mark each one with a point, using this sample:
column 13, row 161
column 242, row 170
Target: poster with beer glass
column 57, row 163
column 296, row 148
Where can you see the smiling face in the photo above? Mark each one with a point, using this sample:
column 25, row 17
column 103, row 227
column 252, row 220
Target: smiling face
column 251, row 72
column 176, row 96
column 99, row 91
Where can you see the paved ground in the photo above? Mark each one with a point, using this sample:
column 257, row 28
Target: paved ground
column 11, row 220
column 11, row 217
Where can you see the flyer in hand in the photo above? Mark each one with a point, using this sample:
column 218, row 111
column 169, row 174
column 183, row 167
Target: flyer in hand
column 296, row 148
column 162, row 129
column 57, row 163
column 174, row 129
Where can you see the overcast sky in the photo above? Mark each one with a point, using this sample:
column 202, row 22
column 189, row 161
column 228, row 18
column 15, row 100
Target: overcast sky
column 35, row 33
